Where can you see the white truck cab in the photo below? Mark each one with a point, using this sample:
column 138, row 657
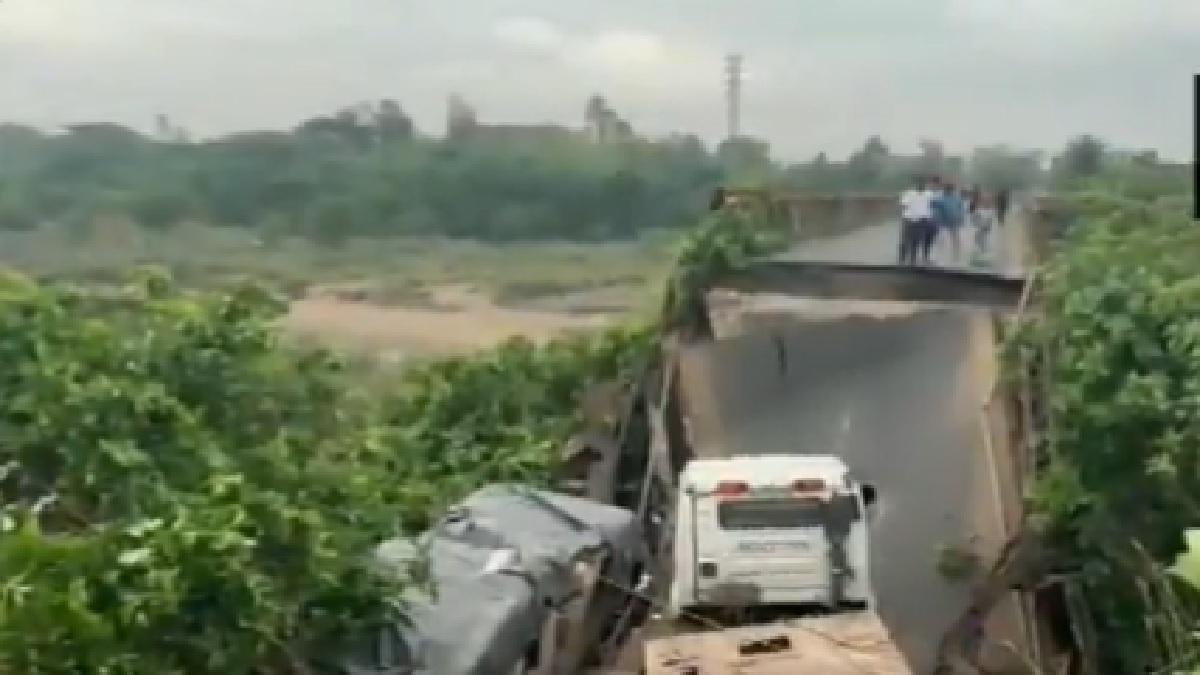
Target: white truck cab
column 776, row 530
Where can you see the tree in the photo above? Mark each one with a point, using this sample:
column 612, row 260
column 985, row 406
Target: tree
column 1082, row 158
column 16, row 212
column 160, row 208
column 1115, row 345
column 747, row 160
column 182, row 494
column 333, row 221
column 392, row 123
column 1003, row 168
column 868, row 165
column 346, row 126
column 364, row 170
column 933, row 160
column 625, row 193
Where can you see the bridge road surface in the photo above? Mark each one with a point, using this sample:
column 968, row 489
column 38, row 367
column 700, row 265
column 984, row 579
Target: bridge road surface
column 880, row 245
column 900, row 399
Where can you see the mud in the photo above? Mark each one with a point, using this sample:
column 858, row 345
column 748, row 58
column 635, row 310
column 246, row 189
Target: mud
column 457, row 320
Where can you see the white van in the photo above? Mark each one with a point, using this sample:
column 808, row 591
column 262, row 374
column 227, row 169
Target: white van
column 776, row 530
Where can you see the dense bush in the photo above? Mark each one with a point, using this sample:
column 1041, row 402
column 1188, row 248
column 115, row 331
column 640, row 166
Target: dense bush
column 1117, row 337
column 500, row 416
column 182, row 494
column 369, row 172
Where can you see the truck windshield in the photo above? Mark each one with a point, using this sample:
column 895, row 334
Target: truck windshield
column 786, row 513
column 770, row 514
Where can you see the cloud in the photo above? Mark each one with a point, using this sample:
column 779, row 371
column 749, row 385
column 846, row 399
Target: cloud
column 649, row 63
column 622, row 60
column 40, row 25
column 532, row 34
column 625, row 49
column 610, row 51
column 1072, row 24
column 817, row 76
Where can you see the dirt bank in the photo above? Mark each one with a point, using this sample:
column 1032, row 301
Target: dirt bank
column 458, row 319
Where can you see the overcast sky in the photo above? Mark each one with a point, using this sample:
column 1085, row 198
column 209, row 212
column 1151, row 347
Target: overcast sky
column 819, row 75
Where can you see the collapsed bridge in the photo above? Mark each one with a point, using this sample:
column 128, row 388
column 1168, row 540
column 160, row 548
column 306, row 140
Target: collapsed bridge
column 830, row 350
column 903, row 392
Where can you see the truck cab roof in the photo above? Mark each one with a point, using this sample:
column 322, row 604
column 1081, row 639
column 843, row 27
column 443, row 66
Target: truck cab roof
column 706, row 474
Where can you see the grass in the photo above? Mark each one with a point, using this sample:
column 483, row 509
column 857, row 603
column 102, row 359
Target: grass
column 957, row 561
column 546, row 282
column 396, row 271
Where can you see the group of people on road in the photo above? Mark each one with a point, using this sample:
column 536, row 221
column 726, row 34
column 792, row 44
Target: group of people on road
column 934, row 209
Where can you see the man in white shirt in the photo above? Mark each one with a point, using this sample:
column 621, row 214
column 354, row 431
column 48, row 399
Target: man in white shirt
column 915, row 212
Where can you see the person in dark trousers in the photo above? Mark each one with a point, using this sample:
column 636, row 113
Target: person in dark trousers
column 930, row 226
column 973, row 195
column 1002, row 204
column 914, row 211
column 949, row 214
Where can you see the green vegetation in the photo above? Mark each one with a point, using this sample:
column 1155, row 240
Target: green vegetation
column 387, row 271
column 360, row 197
column 958, row 560
column 1117, row 342
column 367, row 172
column 181, row 493
column 185, row 491
column 500, row 416
column 1187, row 565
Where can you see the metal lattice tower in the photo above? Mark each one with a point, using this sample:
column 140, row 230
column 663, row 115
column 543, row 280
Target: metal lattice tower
column 733, row 95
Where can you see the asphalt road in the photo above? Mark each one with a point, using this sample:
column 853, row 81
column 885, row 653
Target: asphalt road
column 878, row 245
column 899, row 398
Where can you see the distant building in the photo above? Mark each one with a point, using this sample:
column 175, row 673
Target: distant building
column 527, row 133
column 601, row 125
column 463, row 122
column 906, row 167
column 460, row 116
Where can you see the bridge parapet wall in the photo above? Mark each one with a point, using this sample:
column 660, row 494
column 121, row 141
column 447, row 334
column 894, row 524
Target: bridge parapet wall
column 820, row 215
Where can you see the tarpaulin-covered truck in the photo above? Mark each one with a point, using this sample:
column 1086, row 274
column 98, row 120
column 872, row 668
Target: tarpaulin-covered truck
column 523, row 581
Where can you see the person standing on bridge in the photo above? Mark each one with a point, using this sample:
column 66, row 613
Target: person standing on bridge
column 973, row 196
column 983, row 219
column 1002, row 204
column 949, row 213
column 929, row 225
column 915, row 215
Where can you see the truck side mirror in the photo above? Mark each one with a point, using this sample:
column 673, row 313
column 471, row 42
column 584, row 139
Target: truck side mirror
column 869, row 495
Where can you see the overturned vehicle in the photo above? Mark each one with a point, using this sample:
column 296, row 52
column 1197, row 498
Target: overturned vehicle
column 522, row 581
